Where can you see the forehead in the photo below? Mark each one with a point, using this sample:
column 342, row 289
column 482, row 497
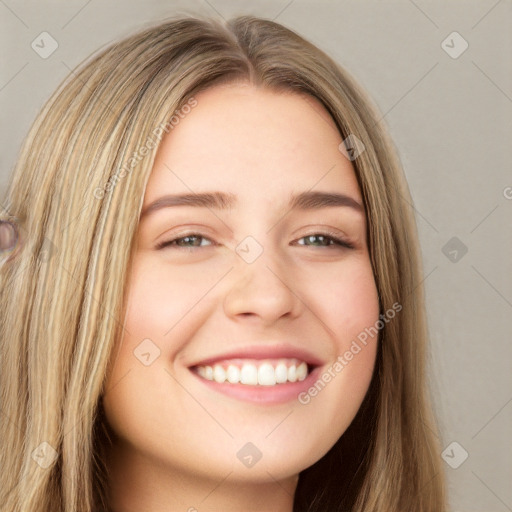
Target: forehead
column 255, row 143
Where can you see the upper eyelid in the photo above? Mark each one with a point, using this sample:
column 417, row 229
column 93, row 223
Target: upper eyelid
column 203, row 231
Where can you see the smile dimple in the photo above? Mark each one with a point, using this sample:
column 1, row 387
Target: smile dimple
column 255, row 372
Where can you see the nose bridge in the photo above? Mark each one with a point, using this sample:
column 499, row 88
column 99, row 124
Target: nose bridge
column 260, row 283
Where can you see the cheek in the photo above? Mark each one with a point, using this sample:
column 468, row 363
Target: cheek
column 164, row 298
column 159, row 307
column 158, row 297
column 347, row 300
column 161, row 315
column 350, row 309
column 356, row 302
column 152, row 308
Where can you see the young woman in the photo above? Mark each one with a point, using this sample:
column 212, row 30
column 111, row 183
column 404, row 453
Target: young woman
column 210, row 288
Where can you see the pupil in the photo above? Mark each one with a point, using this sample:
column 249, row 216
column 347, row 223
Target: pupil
column 189, row 239
column 319, row 238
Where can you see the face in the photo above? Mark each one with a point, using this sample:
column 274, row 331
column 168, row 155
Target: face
column 250, row 281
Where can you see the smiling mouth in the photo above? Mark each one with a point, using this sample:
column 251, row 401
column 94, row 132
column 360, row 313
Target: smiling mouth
column 262, row 372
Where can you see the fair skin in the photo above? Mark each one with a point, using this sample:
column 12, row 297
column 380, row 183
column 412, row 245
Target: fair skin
column 290, row 287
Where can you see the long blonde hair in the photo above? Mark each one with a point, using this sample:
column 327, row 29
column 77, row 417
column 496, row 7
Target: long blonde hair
column 76, row 194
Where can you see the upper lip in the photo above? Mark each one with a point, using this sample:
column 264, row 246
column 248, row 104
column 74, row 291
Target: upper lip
column 281, row 351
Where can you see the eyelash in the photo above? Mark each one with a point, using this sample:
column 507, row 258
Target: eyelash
column 336, row 241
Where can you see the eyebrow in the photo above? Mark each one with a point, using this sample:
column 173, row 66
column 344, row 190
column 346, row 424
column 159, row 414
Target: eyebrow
column 310, row 200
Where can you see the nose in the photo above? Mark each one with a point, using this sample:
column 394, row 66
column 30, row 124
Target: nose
column 263, row 290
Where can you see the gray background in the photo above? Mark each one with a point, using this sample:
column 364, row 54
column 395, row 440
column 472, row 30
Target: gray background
column 451, row 120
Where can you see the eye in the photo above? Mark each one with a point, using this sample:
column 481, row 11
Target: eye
column 188, row 241
column 195, row 240
column 324, row 240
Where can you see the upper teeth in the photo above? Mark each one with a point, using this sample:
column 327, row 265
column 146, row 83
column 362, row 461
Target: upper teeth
column 264, row 373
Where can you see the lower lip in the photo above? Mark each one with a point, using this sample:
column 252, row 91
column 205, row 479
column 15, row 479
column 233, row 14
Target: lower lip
column 278, row 394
